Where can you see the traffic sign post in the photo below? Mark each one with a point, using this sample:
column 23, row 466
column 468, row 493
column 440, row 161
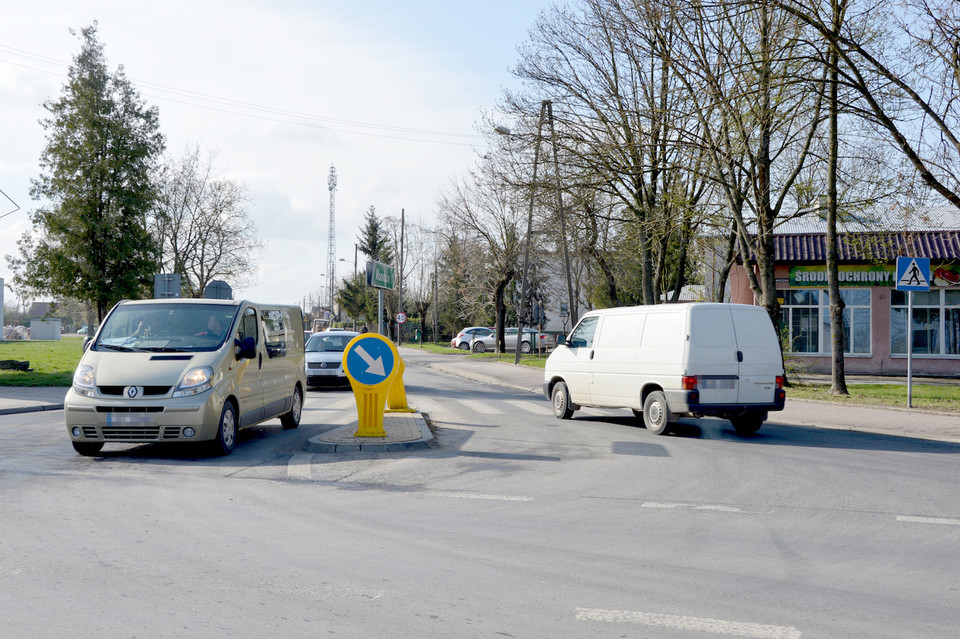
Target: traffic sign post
column 913, row 274
column 370, row 362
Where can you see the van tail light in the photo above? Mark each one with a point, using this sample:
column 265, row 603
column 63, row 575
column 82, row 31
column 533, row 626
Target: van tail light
column 779, row 381
column 689, row 382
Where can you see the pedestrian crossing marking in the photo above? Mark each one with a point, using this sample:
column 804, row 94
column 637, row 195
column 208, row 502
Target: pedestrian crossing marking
column 536, row 408
column 480, row 407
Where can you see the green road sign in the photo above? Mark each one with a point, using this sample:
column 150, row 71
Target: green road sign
column 380, row 275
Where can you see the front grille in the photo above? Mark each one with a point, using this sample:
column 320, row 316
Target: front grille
column 89, row 431
column 117, row 391
column 126, row 432
column 129, row 409
column 171, row 432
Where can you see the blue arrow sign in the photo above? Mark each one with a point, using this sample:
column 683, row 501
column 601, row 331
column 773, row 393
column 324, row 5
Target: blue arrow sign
column 913, row 274
column 370, row 360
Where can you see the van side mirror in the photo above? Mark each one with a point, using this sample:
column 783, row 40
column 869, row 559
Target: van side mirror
column 561, row 340
column 86, row 343
column 246, row 348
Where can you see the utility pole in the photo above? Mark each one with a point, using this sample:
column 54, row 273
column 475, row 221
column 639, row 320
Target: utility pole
column 332, row 240
column 400, row 280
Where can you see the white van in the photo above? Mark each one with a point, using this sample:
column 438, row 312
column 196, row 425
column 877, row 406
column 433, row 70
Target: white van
column 670, row 360
column 186, row 370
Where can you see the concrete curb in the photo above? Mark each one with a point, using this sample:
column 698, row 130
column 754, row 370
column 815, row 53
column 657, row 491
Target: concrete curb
column 404, row 431
column 30, row 409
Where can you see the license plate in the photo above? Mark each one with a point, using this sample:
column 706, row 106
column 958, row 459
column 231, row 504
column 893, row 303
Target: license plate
column 130, row 419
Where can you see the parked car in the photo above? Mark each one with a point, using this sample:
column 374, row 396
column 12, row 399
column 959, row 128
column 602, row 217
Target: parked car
column 324, row 358
column 532, row 340
column 465, row 338
column 668, row 361
column 83, row 330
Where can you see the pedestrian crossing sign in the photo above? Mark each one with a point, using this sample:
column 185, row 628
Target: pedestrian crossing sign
column 913, row 274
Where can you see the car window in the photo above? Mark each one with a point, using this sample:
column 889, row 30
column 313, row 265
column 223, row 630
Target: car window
column 582, row 335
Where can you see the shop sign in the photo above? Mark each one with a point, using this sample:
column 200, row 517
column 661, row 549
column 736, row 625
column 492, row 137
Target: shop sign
column 942, row 275
column 860, row 276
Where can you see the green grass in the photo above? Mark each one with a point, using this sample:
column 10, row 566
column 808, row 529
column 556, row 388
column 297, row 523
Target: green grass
column 53, row 361
column 526, row 360
column 945, row 397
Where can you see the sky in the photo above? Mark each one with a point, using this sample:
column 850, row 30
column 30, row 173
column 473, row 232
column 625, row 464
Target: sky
column 389, row 93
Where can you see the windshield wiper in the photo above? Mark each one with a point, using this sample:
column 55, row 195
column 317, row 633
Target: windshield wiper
column 115, row 347
column 163, row 349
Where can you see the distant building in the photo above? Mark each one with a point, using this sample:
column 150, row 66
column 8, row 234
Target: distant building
column 875, row 317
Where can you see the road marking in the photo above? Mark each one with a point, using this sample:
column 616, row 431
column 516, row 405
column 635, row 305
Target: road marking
column 346, row 402
column 537, row 408
column 456, row 495
column 429, row 406
column 299, row 467
column 929, row 520
column 714, row 507
column 480, row 407
column 696, row 624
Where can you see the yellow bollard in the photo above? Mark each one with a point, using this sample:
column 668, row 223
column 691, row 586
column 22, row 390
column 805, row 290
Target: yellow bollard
column 397, row 395
column 371, row 362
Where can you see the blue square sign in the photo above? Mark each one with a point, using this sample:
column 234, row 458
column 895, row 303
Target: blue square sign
column 913, row 273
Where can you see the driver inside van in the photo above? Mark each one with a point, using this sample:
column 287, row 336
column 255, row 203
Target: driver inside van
column 213, row 329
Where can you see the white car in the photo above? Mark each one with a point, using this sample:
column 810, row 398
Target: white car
column 324, row 358
column 465, row 338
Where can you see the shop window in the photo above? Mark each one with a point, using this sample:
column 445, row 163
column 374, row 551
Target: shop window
column 805, row 320
column 936, row 322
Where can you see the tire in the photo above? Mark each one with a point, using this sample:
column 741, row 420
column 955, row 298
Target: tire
column 525, row 347
column 656, row 414
column 747, row 424
column 292, row 419
column 479, row 347
column 88, row 449
column 560, row 399
column 226, row 439
column 463, row 346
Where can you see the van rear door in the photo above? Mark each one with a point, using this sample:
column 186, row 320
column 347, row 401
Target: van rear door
column 712, row 354
column 759, row 352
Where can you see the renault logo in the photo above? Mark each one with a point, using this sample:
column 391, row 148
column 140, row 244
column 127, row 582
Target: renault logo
column 132, row 391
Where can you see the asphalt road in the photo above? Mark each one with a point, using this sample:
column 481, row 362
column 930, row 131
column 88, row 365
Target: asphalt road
column 517, row 524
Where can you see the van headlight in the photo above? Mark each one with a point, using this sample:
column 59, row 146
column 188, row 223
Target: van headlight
column 196, row 380
column 83, row 380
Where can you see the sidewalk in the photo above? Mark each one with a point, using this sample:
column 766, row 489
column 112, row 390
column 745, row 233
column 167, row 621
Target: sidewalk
column 903, row 422
column 27, row 399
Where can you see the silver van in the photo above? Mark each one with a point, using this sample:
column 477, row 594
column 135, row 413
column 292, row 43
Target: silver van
column 186, row 370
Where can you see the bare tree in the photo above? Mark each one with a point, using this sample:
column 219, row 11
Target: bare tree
column 481, row 204
column 203, row 225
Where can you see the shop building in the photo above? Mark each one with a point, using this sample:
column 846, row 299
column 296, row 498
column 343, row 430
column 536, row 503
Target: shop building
column 875, row 316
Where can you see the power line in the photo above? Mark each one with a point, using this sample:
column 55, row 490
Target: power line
column 261, row 112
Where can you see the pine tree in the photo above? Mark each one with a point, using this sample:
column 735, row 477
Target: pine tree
column 373, row 240
column 90, row 238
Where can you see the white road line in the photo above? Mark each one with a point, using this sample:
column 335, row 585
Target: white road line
column 696, row 624
column 429, row 406
column 481, row 496
column 929, row 520
column 479, row 407
column 536, row 408
column 340, row 404
column 299, row 467
column 714, row 507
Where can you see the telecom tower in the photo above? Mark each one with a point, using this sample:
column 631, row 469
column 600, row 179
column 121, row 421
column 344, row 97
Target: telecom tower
column 332, row 240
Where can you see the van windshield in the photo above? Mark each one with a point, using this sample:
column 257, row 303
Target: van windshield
column 166, row 327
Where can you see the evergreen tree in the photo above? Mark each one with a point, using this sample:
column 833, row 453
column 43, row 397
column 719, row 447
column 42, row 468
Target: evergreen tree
column 373, row 240
column 90, row 238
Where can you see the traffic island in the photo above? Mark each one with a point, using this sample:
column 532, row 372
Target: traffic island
column 403, row 431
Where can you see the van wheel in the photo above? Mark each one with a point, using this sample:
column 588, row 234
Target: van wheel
column 88, row 449
column 747, row 424
column 656, row 414
column 227, row 432
column 560, row 398
column 292, row 419
column 479, row 347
